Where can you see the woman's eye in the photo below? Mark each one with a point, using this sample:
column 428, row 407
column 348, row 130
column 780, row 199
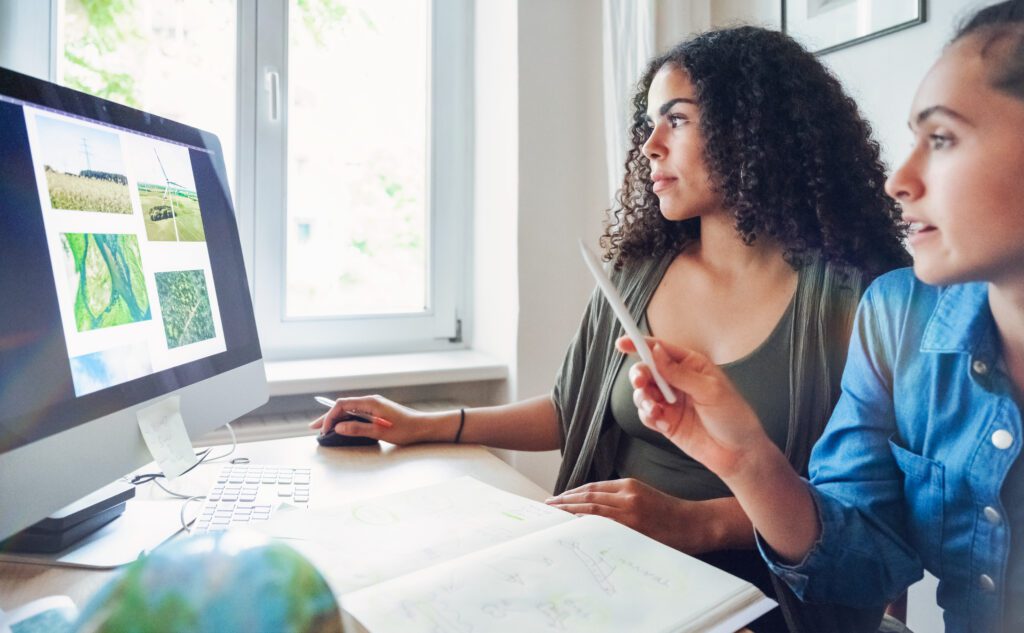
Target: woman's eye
column 675, row 120
column 939, row 141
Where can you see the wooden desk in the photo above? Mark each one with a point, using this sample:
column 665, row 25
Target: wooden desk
column 338, row 475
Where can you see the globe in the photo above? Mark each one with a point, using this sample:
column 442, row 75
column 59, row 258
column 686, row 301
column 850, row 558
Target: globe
column 217, row 582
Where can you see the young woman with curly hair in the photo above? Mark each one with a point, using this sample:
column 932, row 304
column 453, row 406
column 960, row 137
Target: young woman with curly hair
column 752, row 215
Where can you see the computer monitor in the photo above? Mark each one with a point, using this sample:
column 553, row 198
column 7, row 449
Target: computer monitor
column 121, row 284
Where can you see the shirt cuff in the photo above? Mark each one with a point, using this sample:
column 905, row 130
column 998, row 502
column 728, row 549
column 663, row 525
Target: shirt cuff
column 798, row 575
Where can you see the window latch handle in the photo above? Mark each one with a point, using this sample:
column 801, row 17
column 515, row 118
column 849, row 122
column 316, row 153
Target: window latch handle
column 273, row 86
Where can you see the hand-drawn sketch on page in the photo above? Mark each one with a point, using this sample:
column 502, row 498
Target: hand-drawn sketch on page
column 587, row 575
column 368, row 541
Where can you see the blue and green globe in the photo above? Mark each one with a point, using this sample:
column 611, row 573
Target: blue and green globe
column 227, row 581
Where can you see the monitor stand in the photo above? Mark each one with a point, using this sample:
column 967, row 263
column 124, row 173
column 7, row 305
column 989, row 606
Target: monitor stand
column 103, row 530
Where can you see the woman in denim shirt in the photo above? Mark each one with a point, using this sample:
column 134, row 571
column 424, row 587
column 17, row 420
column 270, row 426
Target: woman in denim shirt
column 919, row 467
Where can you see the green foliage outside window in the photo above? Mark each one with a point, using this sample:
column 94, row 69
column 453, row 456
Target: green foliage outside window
column 106, row 30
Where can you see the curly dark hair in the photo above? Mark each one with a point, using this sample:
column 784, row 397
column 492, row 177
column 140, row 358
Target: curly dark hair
column 786, row 147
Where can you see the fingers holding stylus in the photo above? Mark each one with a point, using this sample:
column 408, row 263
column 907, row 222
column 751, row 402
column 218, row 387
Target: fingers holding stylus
column 687, row 371
column 710, row 420
column 343, row 409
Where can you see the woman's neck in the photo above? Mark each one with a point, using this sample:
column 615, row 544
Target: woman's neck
column 722, row 250
column 1006, row 301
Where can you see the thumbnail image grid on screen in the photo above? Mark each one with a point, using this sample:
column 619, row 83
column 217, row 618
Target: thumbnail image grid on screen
column 126, row 240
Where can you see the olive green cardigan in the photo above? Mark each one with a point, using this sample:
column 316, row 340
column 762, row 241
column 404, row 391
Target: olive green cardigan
column 825, row 304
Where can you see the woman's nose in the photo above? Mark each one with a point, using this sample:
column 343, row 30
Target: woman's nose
column 904, row 185
column 653, row 148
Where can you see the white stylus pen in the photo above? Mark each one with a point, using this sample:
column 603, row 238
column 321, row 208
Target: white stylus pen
column 632, row 331
column 327, row 402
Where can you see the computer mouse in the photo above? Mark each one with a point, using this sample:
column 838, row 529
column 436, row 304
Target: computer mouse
column 332, row 439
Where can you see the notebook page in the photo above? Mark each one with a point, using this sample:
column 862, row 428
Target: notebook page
column 365, row 542
column 588, row 575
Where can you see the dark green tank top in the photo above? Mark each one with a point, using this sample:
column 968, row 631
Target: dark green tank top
column 762, row 377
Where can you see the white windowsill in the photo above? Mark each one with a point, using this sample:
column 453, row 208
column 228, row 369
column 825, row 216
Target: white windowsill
column 377, row 372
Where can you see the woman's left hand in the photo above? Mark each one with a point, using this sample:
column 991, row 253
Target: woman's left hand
column 631, row 502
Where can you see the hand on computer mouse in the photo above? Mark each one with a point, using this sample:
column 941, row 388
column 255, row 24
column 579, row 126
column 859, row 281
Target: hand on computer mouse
column 332, row 439
column 393, row 423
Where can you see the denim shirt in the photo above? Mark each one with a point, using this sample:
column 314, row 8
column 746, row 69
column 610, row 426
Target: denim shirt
column 909, row 472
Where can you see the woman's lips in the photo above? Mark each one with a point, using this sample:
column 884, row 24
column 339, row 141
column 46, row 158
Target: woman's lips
column 919, row 232
column 662, row 183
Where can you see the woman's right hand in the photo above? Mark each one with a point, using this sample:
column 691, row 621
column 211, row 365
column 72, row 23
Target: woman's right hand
column 713, row 424
column 710, row 421
column 407, row 426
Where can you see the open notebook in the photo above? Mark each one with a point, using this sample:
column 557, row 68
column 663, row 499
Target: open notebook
column 465, row 557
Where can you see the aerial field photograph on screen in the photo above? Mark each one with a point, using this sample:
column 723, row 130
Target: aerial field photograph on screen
column 105, row 275
column 84, row 167
column 185, row 305
column 167, row 191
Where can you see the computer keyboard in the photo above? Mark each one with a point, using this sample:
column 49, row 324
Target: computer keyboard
column 245, row 493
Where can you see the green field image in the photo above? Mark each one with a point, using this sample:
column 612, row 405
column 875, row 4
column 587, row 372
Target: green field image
column 111, row 289
column 84, row 193
column 185, row 305
column 171, row 214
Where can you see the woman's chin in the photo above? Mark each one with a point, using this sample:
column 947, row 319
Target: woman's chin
column 678, row 215
column 940, row 273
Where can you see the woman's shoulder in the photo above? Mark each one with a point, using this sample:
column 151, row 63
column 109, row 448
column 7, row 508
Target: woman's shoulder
column 900, row 288
column 631, row 272
column 901, row 303
column 845, row 277
column 899, row 280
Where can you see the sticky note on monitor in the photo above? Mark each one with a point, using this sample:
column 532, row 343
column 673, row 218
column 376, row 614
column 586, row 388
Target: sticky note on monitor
column 164, row 431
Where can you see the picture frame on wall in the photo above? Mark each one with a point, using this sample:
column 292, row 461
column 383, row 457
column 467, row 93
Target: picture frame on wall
column 824, row 26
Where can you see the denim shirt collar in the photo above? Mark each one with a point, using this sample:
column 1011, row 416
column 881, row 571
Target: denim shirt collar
column 962, row 322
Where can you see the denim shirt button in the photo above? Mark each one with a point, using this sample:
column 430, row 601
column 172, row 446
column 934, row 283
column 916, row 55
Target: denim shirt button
column 979, row 367
column 986, row 583
column 992, row 515
column 1002, row 439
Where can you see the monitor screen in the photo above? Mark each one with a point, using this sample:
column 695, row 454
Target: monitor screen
column 122, row 277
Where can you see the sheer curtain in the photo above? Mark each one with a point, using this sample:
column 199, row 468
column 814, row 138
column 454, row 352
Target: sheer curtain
column 629, row 33
column 634, row 32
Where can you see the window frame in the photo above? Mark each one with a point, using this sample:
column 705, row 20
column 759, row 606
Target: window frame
column 263, row 194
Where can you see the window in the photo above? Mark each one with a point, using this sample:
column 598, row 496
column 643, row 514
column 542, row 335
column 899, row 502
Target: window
column 346, row 128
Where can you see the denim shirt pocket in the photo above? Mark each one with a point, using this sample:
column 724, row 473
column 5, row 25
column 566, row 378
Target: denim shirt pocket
column 923, row 491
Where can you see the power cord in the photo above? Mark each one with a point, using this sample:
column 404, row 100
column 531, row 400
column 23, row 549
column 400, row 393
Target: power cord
column 234, row 444
column 145, row 478
column 204, row 457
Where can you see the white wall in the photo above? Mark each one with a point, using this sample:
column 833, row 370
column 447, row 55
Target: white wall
column 678, row 19
column 883, row 74
column 540, row 186
column 496, row 174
